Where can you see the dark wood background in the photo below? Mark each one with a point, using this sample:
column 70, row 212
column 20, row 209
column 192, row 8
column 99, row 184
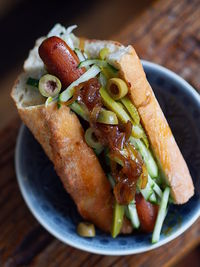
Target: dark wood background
column 166, row 32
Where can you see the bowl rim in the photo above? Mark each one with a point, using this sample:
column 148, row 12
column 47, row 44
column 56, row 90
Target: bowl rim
column 97, row 250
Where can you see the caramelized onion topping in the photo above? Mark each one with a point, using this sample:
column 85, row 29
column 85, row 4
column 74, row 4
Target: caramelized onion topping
column 115, row 137
column 127, row 129
column 124, row 193
column 143, row 177
column 90, row 95
column 110, row 135
column 126, row 178
column 94, row 114
column 75, row 95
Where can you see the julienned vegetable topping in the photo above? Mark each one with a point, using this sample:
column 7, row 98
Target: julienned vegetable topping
column 94, row 90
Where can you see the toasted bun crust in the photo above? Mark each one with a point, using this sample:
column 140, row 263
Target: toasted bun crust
column 157, row 129
column 62, row 138
column 163, row 144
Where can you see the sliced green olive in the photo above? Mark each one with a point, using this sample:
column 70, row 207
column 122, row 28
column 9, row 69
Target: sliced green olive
column 86, row 229
column 49, row 85
column 104, row 53
column 117, row 88
column 107, row 117
column 92, row 141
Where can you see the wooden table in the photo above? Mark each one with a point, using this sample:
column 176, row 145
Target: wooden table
column 167, row 33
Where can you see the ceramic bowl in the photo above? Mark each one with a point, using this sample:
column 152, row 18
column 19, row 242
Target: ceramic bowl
column 55, row 210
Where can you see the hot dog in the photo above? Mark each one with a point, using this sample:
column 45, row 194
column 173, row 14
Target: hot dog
column 109, row 90
column 147, row 213
column 68, row 72
column 60, row 60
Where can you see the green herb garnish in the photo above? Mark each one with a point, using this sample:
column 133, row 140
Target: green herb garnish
column 32, row 82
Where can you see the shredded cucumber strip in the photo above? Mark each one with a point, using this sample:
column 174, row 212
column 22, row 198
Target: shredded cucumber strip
column 161, row 216
column 151, row 190
column 147, row 191
column 153, row 198
column 133, row 216
column 69, row 91
column 88, row 62
column 50, row 99
column 118, row 216
column 155, row 187
column 146, row 155
column 102, row 79
column 131, row 109
column 76, row 107
column 79, row 54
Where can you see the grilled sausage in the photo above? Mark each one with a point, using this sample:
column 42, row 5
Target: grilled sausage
column 60, row 60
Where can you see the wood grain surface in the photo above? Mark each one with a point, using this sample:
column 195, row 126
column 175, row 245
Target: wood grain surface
column 168, row 33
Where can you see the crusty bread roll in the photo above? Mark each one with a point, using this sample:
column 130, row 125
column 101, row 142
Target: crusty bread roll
column 163, row 144
column 62, row 138
column 61, row 135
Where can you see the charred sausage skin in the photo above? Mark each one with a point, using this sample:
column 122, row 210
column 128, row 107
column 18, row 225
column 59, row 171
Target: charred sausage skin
column 147, row 213
column 60, row 60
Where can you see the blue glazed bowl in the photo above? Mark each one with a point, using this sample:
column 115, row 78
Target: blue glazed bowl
column 54, row 209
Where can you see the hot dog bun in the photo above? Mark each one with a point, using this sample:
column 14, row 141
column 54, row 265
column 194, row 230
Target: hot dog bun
column 162, row 141
column 62, row 138
column 163, row 144
column 61, row 135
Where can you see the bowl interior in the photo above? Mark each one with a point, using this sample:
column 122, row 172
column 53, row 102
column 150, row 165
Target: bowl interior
column 56, row 211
